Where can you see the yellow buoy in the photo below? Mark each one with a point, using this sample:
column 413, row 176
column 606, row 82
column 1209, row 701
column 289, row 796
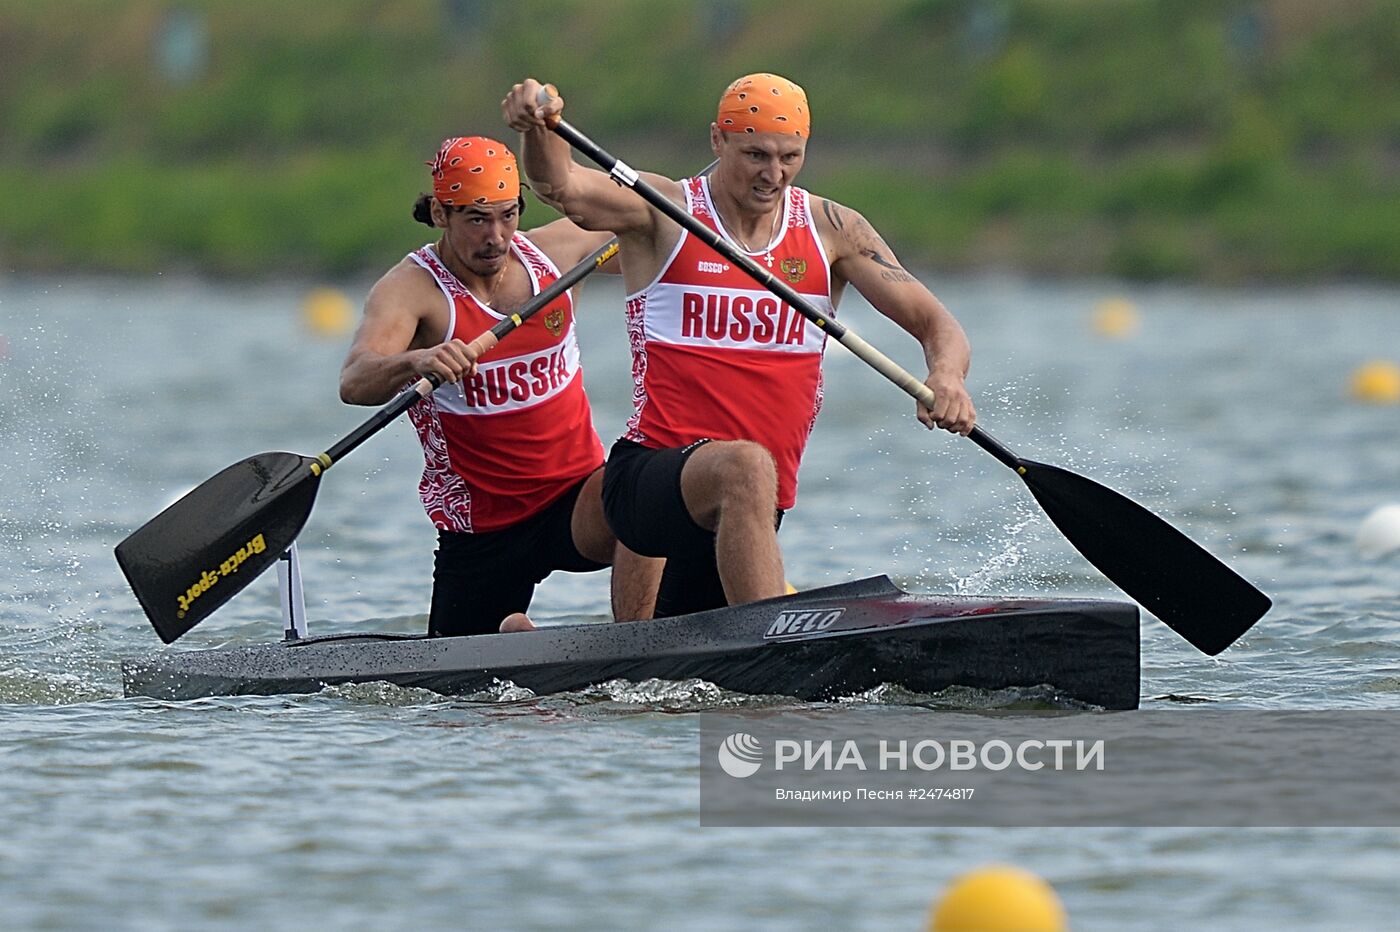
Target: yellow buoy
column 999, row 898
column 1377, row 381
column 1116, row 318
column 327, row 312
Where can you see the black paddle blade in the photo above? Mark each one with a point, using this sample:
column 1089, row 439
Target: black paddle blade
column 1169, row 574
column 203, row 550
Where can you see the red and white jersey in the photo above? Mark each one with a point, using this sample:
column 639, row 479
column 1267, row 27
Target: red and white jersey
column 716, row 355
column 505, row 443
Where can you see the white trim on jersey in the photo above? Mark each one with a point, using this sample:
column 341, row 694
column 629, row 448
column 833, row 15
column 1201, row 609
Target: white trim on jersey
column 821, row 248
column 420, row 258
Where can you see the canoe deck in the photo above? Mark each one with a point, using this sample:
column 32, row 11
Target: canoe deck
column 816, row 645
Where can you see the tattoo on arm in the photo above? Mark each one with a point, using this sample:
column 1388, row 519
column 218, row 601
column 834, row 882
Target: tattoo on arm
column 867, row 242
column 875, row 256
column 833, row 215
column 892, row 271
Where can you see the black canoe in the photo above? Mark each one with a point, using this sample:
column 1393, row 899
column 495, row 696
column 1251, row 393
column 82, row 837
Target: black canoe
column 819, row 644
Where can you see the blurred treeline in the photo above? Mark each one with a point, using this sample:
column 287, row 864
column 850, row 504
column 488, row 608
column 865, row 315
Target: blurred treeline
column 1140, row 138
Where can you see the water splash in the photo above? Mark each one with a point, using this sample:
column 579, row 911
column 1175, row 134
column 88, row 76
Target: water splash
column 967, row 698
column 21, row 686
column 383, row 694
column 998, row 569
column 692, row 695
column 501, row 691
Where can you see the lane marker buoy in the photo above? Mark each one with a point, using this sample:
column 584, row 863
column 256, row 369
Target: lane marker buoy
column 999, row 898
column 1377, row 382
column 1116, row 318
column 327, row 312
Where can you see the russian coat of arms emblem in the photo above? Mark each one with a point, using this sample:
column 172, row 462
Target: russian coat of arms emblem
column 554, row 322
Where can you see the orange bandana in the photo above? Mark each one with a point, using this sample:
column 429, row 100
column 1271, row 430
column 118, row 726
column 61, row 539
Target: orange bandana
column 474, row 170
column 764, row 103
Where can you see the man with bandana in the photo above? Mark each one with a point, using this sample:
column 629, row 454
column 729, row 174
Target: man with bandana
column 512, row 466
column 727, row 378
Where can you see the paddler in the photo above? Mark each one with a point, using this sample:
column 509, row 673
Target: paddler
column 512, row 465
column 727, row 378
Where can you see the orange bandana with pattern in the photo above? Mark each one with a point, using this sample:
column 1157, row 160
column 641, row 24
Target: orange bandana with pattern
column 765, row 103
column 474, row 170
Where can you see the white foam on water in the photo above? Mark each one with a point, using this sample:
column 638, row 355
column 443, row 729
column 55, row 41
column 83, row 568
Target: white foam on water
column 23, row 686
column 967, row 698
column 383, row 694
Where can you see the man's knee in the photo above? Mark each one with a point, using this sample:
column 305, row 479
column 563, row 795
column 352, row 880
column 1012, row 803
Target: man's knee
column 736, row 474
column 751, row 479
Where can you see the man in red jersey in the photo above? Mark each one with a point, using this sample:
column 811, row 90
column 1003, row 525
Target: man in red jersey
column 513, row 467
column 727, row 378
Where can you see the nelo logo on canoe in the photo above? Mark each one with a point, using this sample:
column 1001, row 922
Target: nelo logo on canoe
column 802, row 622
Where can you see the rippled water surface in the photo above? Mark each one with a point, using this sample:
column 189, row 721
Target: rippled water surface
column 372, row 806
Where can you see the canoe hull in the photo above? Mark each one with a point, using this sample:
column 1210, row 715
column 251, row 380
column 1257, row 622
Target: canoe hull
column 817, row 645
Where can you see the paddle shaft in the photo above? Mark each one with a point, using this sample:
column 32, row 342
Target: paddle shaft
column 624, row 174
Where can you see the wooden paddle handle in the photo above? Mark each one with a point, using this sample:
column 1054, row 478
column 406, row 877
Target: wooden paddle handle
column 482, row 344
column 548, row 93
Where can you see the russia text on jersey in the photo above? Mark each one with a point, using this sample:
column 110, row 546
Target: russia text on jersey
column 515, row 383
column 738, row 319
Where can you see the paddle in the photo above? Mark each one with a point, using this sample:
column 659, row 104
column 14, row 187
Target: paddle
column 1195, row 594
column 207, row 547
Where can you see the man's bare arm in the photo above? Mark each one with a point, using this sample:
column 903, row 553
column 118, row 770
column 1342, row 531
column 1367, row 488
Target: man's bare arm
column 862, row 258
column 383, row 357
column 586, row 196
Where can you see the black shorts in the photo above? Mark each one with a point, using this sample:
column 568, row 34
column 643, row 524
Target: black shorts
column 645, row 508
column 478, row 579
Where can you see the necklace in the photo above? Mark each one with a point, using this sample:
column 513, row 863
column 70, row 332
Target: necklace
column 772, row 231
column 490, row 297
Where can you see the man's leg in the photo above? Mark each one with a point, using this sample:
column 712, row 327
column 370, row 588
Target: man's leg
column 475, row 585
column 634, row 577
column 731, row 488
column 690, row 583
column 592, row 537
column 635, row 580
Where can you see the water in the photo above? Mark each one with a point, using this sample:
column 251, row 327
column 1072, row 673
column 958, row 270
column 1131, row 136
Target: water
column 369, row 806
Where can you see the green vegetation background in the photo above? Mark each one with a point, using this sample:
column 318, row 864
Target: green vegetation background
column 1137, row 138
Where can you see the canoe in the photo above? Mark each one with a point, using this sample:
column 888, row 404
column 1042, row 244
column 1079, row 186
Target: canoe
column 817, row 645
